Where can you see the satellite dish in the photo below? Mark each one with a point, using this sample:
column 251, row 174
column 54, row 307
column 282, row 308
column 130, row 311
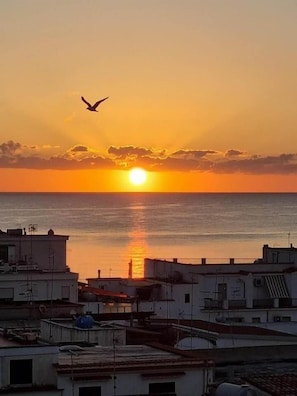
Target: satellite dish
column 70, row 348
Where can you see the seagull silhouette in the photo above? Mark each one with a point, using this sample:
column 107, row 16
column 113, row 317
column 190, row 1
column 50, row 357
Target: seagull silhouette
column 95, row 105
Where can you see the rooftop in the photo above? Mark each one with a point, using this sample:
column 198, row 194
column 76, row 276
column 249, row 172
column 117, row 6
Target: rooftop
column 275, row 385
column 123, row 357
column 221, row 328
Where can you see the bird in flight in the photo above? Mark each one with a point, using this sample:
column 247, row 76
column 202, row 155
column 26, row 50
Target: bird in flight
column 95, row 105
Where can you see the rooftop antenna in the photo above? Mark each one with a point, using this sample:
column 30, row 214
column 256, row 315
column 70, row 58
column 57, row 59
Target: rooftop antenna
column 32, row 228
column 114, row 342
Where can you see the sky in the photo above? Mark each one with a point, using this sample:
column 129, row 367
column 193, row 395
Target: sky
column 201, row 95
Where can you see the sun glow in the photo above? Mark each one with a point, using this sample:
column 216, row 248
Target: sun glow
column 137, row 176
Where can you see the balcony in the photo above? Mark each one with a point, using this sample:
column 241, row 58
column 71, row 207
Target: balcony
column 264, row 303
column 210, row 303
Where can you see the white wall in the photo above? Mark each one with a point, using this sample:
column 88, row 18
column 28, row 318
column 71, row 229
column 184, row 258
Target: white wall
column 43, row 358
column 131, row 383
column 46, row 251
column 174, row 305
column 231, row 342
column 51, row 331
column 44, row 286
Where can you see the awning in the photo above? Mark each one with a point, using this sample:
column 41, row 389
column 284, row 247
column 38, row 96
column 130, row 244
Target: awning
column 276, row 285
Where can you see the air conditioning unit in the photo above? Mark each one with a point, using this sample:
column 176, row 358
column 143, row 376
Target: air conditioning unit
column 258, row 282
column 276, row 318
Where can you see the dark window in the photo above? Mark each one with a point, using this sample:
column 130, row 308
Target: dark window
column 165, row 388
column 90, row 391
column 187, row 297
column 233, row 320
column 4, row 253
column 21, row 372
column 222, row 291
column 286, row 319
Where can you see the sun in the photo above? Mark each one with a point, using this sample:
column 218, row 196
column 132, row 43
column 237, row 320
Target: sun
column 137, row 176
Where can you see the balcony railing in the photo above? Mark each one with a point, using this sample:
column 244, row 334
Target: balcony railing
column 263, row 303
column 209, row 303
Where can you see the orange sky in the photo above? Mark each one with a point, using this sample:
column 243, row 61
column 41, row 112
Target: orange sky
column 22, row 180
column 201, row 94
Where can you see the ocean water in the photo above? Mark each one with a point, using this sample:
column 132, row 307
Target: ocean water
column 106, row 231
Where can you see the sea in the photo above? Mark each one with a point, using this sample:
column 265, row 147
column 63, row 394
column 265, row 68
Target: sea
column 107, row 231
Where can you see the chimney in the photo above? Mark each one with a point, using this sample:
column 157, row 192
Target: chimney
column 130, row 269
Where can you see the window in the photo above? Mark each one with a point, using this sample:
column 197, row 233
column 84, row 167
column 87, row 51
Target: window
column 222, row 291
column 166, row 388
column 187, row 297
column 21, row 372
column 90, row 391
column 4, row 253
column 286, row 319
column 234, row 319
column 65, row 291
column 256, row 319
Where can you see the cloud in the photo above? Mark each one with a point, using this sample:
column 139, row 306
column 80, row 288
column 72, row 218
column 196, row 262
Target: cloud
column 9, row 148
column 129, row 151
column 281, row 164
column 79, row 149
column 16, row 155
column 233, row 153
column 193, row 153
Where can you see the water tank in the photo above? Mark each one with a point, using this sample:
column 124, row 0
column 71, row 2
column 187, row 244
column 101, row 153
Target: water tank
column 84, row 322
column 227, row 389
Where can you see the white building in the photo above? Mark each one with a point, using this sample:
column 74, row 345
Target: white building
column 28, row 369
column 132, row 370
column 210, row 335
column 262, row 292
column 34, row 275
column 70, row 370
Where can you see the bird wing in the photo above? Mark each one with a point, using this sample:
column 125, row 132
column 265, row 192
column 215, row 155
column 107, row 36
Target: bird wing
column 99, row 101
column 84, row 100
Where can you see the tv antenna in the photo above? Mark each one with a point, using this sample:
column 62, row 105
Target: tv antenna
column 33, row 228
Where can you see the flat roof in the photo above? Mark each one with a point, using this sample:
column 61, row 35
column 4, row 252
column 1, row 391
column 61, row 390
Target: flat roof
column 121, row 354
column 239, row 329
column 123, row 357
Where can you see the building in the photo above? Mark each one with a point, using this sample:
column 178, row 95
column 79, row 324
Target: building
column 34, row 277
column 28, row 369
column 132, row 370
column 262, row 292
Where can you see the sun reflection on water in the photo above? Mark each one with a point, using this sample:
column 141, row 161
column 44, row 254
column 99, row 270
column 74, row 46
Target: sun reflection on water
column 137, row 247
